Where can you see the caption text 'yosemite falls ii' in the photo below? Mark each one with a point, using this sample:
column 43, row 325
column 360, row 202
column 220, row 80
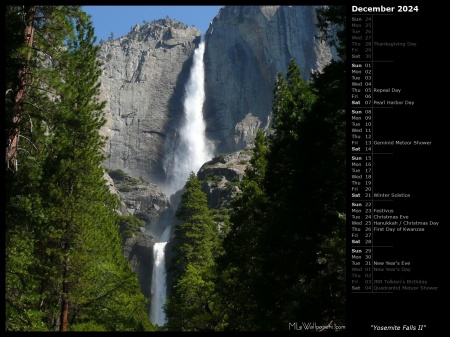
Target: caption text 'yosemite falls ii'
column 191, row 149
column 190, row 153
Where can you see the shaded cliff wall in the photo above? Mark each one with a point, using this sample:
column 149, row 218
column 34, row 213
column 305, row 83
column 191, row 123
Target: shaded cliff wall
column 246, row 46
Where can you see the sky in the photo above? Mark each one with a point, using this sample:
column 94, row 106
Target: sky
column 120, row 19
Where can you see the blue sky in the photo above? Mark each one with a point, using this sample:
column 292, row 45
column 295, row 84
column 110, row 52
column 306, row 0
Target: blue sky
column 120, row 19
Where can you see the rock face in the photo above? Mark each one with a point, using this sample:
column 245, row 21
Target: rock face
column 246, row 46
column 140, row 198
column 220, row 176
column 143, row 79
column 138, row 250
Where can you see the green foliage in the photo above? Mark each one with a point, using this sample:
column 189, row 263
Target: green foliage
column 197, row 233
column 129, row 225
column 194, row 304
column 118, row 175
column 247, row 151
column 221, row 217
column 232, row 184
column 124, row 182
column 240, row 266
column 304, row 189
column 212, row 178
column 63, row 250
column 258, row 163
column 87, row 326
column 22, row 285
column 331, row 21
column 125, row 188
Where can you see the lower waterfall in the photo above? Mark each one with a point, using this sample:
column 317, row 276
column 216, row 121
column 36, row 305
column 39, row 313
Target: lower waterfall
column 159, row 288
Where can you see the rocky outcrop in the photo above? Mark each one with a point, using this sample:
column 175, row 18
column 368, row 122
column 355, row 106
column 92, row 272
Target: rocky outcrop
column 138, row 250
column 246, row 47
column 141, row 198
column 122, row 207
column 142, row 81
column 220, row 177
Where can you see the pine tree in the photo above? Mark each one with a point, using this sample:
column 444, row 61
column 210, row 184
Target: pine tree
column 22, row 60
column 285, row 252
column 240, row 266
column 194, row 304
column 331, row 21
column 305, row 182
column 78, row 278
column 330, row 86
column 24, row 210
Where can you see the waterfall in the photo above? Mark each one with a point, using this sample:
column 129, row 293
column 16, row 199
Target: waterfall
column 192, row 149
column 159, row 289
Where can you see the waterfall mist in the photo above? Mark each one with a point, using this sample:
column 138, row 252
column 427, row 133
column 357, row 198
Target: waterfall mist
column 191, row 148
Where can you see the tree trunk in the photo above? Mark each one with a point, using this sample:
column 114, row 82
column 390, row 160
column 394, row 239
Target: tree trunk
column 64, row 296
column 13, row 136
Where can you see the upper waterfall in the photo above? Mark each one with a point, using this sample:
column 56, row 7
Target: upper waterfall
column 192, row 148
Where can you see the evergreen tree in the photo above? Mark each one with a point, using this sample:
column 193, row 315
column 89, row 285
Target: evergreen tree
column 330, row 86
column 24, row 210
column 285, row 253
column 198, row 237
column 290, row 235
column 21, row 285
column 331, row 21
column 18, row 59
column 67, row 271
column 194, row 304
column 240, row 266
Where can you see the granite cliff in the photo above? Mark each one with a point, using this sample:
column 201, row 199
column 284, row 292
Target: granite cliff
column 145, row 71
column 143, row 79
column 246, row 46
